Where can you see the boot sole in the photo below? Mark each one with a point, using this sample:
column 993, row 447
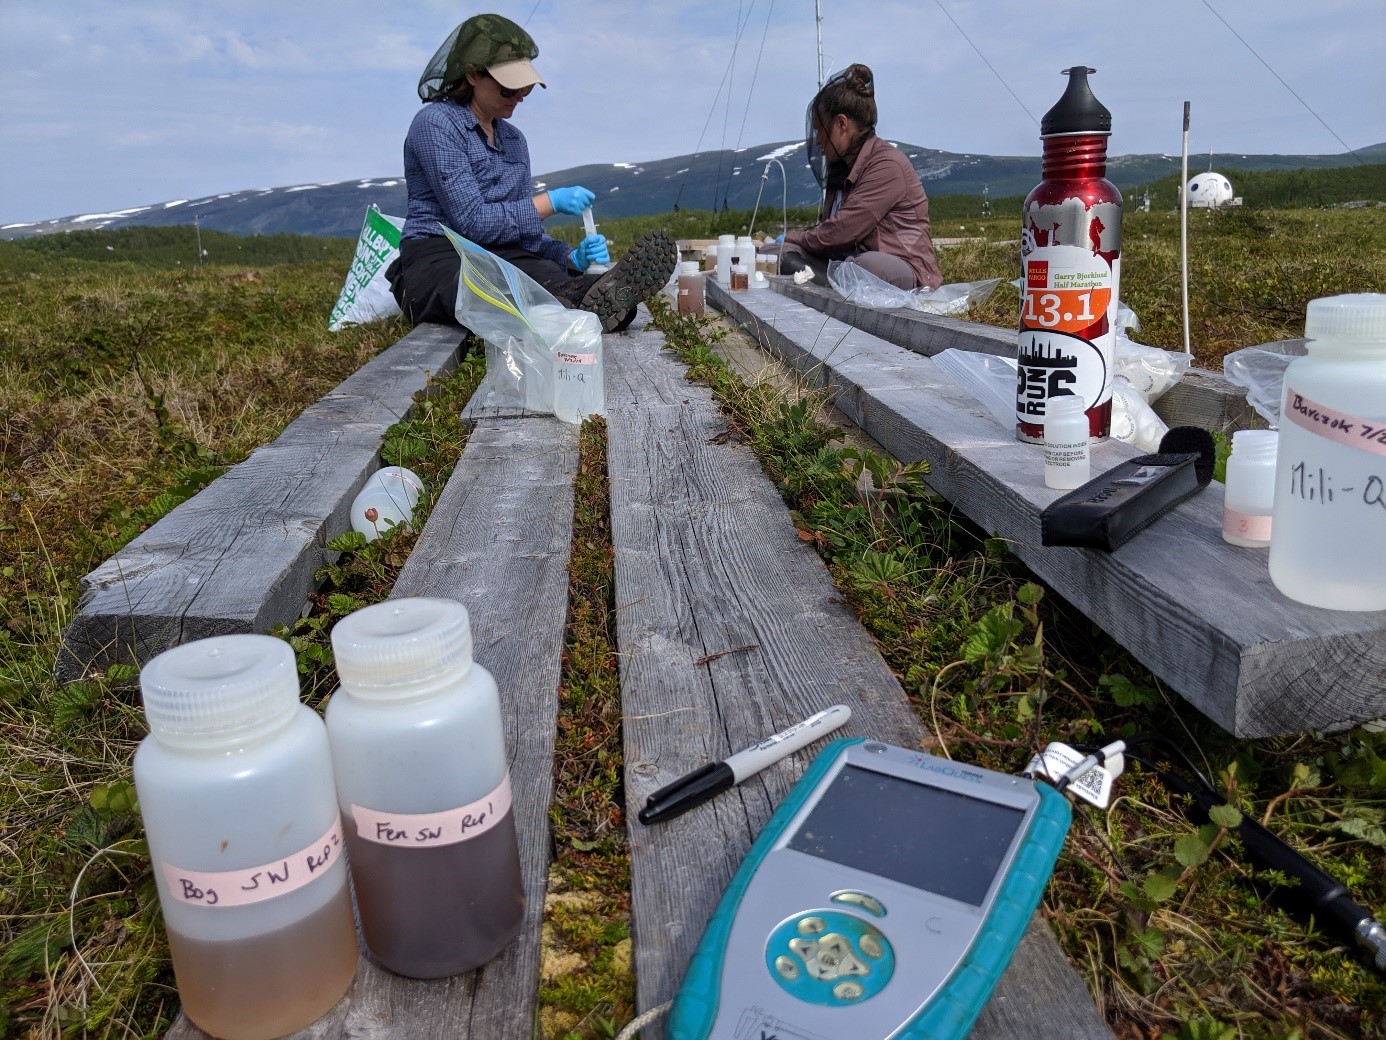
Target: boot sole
column 641, row 273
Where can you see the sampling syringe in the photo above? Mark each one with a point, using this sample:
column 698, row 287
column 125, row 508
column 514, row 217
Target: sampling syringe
column 589, row 228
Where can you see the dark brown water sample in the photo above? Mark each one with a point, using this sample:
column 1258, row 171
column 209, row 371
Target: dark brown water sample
column 432, row 912
column 691, row 294
column 268, row 985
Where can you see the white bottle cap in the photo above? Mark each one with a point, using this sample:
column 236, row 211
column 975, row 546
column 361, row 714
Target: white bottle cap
column 402, row 647
column 726, row 240
column 689, row 267
column 1067, row 406
column 1352, row 316
column 220, row 691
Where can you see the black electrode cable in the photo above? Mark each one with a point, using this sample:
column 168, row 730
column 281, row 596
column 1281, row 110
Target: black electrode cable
column 1314, row 893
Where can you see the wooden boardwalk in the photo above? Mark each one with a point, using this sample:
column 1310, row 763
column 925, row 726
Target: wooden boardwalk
column 240, row 556
column 1199, row 613
column 730, row 629
column 497, row 541
column 1203, row 399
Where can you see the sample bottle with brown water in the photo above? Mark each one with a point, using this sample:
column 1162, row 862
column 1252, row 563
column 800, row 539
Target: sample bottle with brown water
column 235, row 788
column 423, row 783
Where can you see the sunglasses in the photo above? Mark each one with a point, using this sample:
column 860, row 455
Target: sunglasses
column 506, row 92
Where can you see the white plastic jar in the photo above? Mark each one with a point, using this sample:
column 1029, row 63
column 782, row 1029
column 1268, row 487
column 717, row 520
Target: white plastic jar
column 1067, row 454
column 579, row 378
column 1328, row 541
column 235, row 788
column 424, row 787
column 386, row 501
column 1249, row 494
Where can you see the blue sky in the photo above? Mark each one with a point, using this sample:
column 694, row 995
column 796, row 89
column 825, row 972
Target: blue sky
column 105, row 106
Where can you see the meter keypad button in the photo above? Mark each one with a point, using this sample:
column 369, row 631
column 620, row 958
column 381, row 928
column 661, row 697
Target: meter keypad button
column 861, row 901
column 811, row 925
column 829, row 958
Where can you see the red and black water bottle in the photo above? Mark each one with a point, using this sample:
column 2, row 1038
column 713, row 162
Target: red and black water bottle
column 1070, row 260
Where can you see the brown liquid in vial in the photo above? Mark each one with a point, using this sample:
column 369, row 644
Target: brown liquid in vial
column 740, row 280
column 268, row 985
column 691, row 294
column 432, row 912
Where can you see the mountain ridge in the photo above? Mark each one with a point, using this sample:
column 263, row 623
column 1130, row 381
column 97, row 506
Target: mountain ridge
column 709, row 180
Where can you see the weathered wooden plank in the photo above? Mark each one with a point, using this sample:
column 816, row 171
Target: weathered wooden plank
column 1201, row 398
column 498, row 542
column 1199, row 613
column 730, row 629
column 240, row 556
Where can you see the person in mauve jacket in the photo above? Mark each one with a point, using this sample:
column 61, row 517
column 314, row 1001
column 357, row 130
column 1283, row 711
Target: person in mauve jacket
column 875, row 213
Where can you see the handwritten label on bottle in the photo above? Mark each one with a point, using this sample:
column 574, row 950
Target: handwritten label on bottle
column 574, row 359
column 256, row 884
column 1250, row 526
column 1336, row 426
column 427, row 830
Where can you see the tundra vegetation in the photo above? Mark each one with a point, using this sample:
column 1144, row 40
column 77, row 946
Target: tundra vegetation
column 131, row 375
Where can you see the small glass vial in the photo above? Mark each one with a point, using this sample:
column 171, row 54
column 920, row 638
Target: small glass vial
column 235, row 788
column 710, row 260
column 424, row 785
column 691, row 289
column 1250, row 491
column 1067, row 459
column 740, row 278
column 1330, row 469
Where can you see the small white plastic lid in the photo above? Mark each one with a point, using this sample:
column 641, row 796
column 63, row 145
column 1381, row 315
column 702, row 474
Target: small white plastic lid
column 220, row 691
column 402, row 647
column 689, row 267
column 1256, row 445
column 1066, row 406
column 1359, row 317
column 740, row 269
column 726, row 240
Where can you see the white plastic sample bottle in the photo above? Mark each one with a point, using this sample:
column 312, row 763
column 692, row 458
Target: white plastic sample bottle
column 424, row 787
column 579, row 380
column 1249, row 495
column 726, row 249
column 236, row 791
column 1067, row 456
column 1328, row 541
column 386, row 501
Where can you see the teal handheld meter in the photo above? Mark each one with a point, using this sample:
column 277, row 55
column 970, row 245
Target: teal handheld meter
column 882, row 901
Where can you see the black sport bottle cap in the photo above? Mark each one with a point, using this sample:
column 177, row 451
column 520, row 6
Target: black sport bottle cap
column 1077, row 112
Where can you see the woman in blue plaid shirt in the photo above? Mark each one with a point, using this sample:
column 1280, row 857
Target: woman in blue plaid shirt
column 467, row 167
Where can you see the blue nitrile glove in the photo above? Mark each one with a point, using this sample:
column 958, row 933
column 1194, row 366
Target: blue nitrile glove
column 591, row 250
column 570, row 200
column 780, row 239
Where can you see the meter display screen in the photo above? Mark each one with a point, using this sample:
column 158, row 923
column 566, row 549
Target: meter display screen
column 913, row 833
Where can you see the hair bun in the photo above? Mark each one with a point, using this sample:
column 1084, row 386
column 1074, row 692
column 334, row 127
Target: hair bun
column 860, row 79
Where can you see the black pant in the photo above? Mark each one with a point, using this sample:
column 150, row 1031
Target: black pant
column 423, row 279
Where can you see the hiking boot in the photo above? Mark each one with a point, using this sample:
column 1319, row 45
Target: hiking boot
column 641, row 273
